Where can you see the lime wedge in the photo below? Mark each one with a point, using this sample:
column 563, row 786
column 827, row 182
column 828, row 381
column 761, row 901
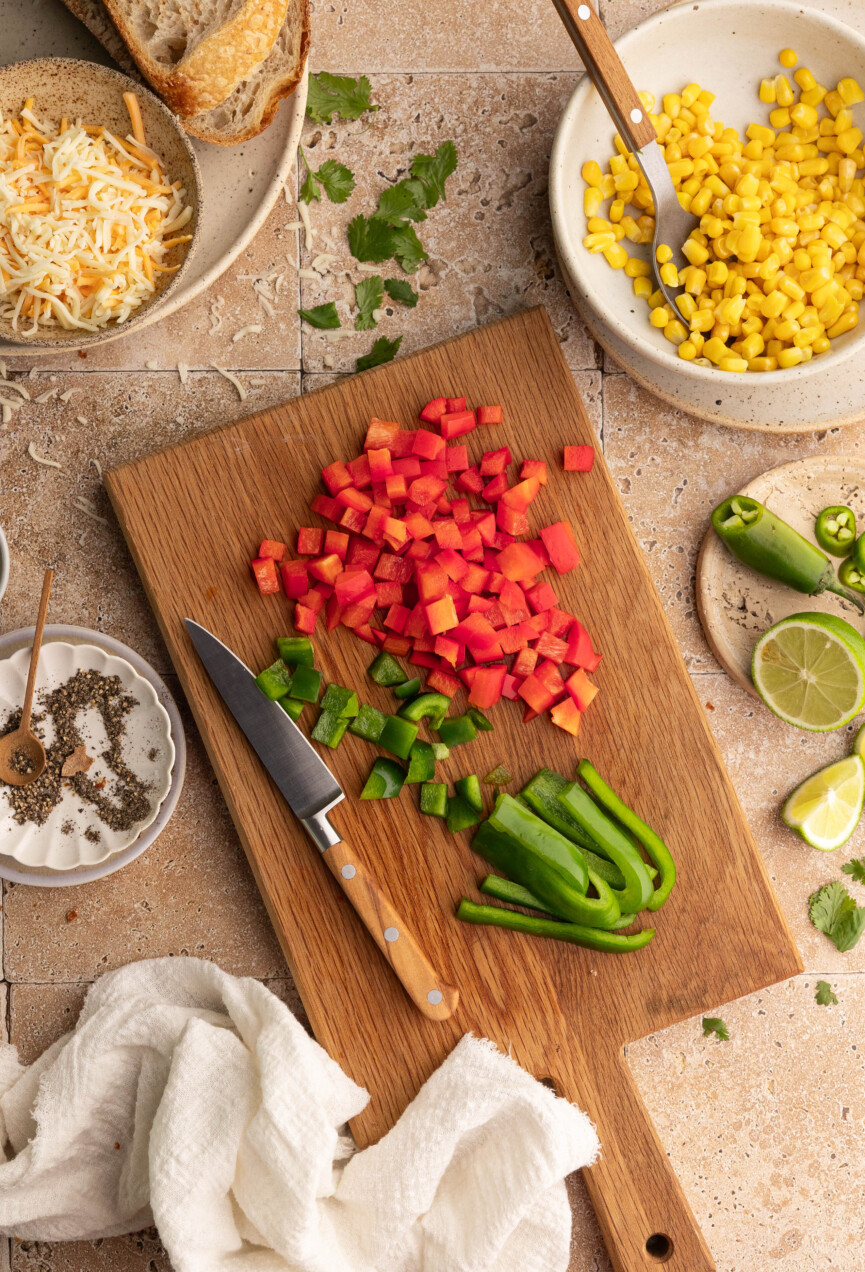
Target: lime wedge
column 858, row 747
column 826, row 808
column 810, row 670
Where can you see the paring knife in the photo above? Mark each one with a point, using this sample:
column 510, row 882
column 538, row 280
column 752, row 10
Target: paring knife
column 312, row 791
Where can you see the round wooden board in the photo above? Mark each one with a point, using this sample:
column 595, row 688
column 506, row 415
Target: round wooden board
column 735, row 604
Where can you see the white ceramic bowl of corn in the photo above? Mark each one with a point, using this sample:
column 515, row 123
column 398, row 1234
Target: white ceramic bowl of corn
column 727, row 47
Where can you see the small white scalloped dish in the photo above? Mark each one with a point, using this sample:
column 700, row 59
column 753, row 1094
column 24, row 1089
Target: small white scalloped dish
column 147, row 748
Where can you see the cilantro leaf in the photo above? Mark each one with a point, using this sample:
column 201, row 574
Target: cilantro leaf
column 433, row 171
column 399, row 290
column 337, row 179
column 824, row 996
column 309, row 189
column 715, row 1025
column 847, row 931
column 834, row 912
column 368, row 295
column 854, row 868
column 324, row 317
column 407, row 248
column 382, row 351
column 370, row 239
column 404, row 201
column 341, row 95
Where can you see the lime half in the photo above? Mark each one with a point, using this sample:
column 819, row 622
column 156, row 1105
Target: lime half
column 810, row 670
column 826, row 808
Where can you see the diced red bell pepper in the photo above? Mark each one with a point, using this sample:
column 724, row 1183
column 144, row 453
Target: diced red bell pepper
column 432, row 581
column 494, row 462
column 360, row 552
column 452, row 563
column 495, row 581
column 397, row 488
column 304, row 619
column 408, row 467
column 580, row 651
column 418, row 527
column 486, row 688
column 435, row 468
column 380, row 434
column 441, row 682
column 358, row 615
column 567, row 716
column 375, row 523
column 350, row 497
column 352, row 521
column 365, row 633
column 525, row 663
column 327, row 507
column 502, row 540
column 457, row 458
column 396, row 618
column 470, row 481
column 380, row 464
column 401, row 445
column 326, row 568
column 295, row 579
column 512, row 640
column 510, row 687
column 534, row 468
column 581, row 688
column 359, row 469
column 534, row 692
column 549, row 675
column 314, row 599
column 443, row 506
column 441, row 615
column 388, row 593
column 448, row 534
column 495, row 487
column 424, row 490
column 550, row 646
column 309, row 541
column 561, row 545
column 449, row 649
column 489, row 415
column 420, row 549
column 540, row 622
column 524, row 631
column 336, row 477
column 560, row 622
column 541, row 597
column 475, row 578
column 456, row 404
column 480, row 636
column 395, row 532
column 422, row 659
column 461, row 511
column 333, row 613
column 398, row 645
column 511, row 520
column 455, row 423
column 480, row 605
column 354, row 586
column 428, row 445
column 521, row 495
column 265, row 575
column 579, row 459
column 518, row 561
column 486, row 527
column 272, row 548
column 335, row 542
column 417, row 625
column 434, row 410
column 380, row 495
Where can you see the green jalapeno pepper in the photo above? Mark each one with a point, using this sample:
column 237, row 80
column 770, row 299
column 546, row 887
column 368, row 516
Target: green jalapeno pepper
column 835, row 530
column 852, row 575
column 576, row 934
column 859, row 553
column 759, row 539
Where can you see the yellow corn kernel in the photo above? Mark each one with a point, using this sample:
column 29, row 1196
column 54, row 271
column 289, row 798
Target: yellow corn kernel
column 821, row 344
column 618, row 165
column 695, row 252
column 672, row 104
column 702, row 320
column 632, row 230
column 615, row 255
column 642, row 287
column 848, row 140
column 763, row 364
column 694, row 280
column 749, row 243
column 598, row 225
column 591, row 173
column 786, row 330
column 788, row 57
column 592, row 200
column 753, row 150
column 747, row 186
column 804, row 78
column 617, row 210
column 618, row 232
column 717, row 273
column 675, row 332
column 803, row 116
column 843, row 119
column 767, row 90
column 830, row 311
column 647, row 100
column 687, row 305
column 732, row 364
column 813, row 96
column 715, row 350
column 779, row 117
column 856, row 288
column 624, row 181
column 833, row 101
column 669, row 274
column 752, row 346
column 636, row 268
column 774, row 304
column 846, row 322
column 850, row 92
column 790, row 357
column 790, row 288
column 657, row 299
column 688, row 350
column 784, row 94
column 806, row 336
column 660, row 317
column 663, row 254
column 598, row 242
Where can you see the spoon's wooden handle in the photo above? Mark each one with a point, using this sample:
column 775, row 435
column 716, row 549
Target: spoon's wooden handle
column 34, row 652
column 606, row 71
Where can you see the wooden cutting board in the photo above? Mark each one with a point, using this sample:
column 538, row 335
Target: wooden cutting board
column 194, row 515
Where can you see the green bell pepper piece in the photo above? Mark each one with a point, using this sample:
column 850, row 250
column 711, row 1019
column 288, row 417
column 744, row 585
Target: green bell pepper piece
column 342, row 702
column 306, row 683
column 368, row 723
column 409, row 689
column 591, row 938
column 385, row 780
column 652, row 842
column 481, row 723
column 457, row 731
column 398, row 736
column 835, row 530
column 470, row 789
column 440, row 751
column 292, row 708
column 516, row 894
column 460, row 814
column 330, row 729
column 275, row 681
column 434, row 799
column 296, row 650
column 431, row 706
column 421, row 763
column 638, row 889
column 386, row 671
column 499, row 776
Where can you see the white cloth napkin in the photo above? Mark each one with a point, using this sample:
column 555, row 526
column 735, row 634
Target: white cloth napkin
column 196, row 1100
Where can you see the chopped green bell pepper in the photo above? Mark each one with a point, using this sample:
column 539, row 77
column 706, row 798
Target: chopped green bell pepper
column 296, row 650
column 460, row 814
column 385, row 781
column 342, row 702
column 440, row 751
column 470, row 789
column 457, row 731
column 330, row 729
column 292, row 708
column 421, row 763
column 409, row 689
column 499, row 776
column 481, row 723
column 398, row 736
column 306, row 683
column 368, row 723
column 431, row 706
column 434, row 799
column 591, row 938
column 386, row 671
column 516, row 894
column 638, row 886
column 275, row 681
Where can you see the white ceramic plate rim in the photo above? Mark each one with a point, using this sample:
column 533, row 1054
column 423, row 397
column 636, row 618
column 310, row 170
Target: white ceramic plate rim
column 9, row 869
column 573, row 254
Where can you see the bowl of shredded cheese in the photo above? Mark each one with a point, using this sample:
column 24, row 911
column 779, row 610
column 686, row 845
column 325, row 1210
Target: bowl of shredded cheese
column 100, row 201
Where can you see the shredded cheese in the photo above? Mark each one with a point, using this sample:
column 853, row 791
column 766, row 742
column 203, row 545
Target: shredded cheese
column 241, row 391
column 96, row 464
column 307, row 225
column 251, row 329
column 18, row 388
column 310, row 274
column 84, row 505
column 46, row 396
column 183, row 372
column 86, row 221
column 40, row 459
column 65, row 397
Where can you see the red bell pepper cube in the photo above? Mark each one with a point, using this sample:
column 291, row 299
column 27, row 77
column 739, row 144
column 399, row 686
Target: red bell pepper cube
column 518, row 561
column 309, row 541
column 354, row 586
column 486, row 527
column 560, row 622
column 395, row 533
column 475, row 578
column 378, row 637
column 421, row 659
column 473, row 547
column 534, row 692
column 510, row 687
column 272, row 548
column 523, row 630
column 581, row 689
column 365, row 633
column 550, row 646
column 480, row 605
column 452, row 563
column 495, row 487
column 443, row 506
column 525, row 663
column 435, row 468
column 424, row 490
column 417, row 625
column 567, row 716
column 408, row 467
column 373, row 527
column 534, row 468
column 396, row 618
column 357, row 615
column 337, row 543
column 295, row 579
column 456, row 404
column 419, row 549
column 541, row 597
column 359, row 469
column 434, row 410
column 448, row 534
column 441, row 615
column 521, row 495
column 480, row 636
column 461, row 511
column 380, row 495
column 470, row 481
column 489, row 415
column 511, row 520
column 398, row 645
column 265, row 575
column 441, row 682
column 327, row 507
column 397, row 488
column 580, row 651
column 333, row 613
column 380, row 434
column 540, row 622
column 561, row 545
column 579, row 459
column 418, row 527
column 512, row 640
column 455, row 423
column 380, row 464
column 388, row 593
column 494, row 462
column 427, row 445
column 457, row 459
column 432, row 582
column 360, row 552
column 426, row 643
column 325, row 568
column 401, row 445
column 550, row 676
column 502, row 540
column 304, row 619
column 449, row 649
column 352, row 521
column 393, row 568
column 336, row 477
column 351, row 498
column 487, row 687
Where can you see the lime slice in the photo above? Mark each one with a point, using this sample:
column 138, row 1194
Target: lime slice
column 826, row 808
column 858, row 747
column 810, row 670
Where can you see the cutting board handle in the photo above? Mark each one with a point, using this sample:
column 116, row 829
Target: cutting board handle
column 645, row 1219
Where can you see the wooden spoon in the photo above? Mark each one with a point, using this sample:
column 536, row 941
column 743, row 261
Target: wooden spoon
column 21, row 749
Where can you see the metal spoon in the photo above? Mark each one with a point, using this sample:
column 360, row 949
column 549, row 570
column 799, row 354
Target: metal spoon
column 22, row 747
column 604, row 66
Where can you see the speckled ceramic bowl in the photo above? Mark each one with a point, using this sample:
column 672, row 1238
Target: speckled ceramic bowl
column 94, row 93
column 727, row 46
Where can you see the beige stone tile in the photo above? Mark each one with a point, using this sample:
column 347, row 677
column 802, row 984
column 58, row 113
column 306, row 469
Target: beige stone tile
column 672, row 469
column 620, row 15
column 588, row 1252
column 40, row 1014
column 138, row 1252
column 765, row 1131
column 490, row 244
column 128, row 415
column 191, row 893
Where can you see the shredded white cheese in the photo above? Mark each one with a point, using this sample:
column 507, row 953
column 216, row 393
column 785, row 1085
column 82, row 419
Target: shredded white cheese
column 266, row 306
column 2, row 370
column 40, row 459
column 328, row 360
column 369, row 269
column 18, row 388
column 308, row 232
column 216, row 315
column 183, row 372
column 65, row 397
column 7, row 410
column 241, row 391
column 295, row 225
column 251, row 329
column 96, row 464
column 310, row 274
column 84, row 505
column 152, row 365
column 81, row 419
column 46, row 396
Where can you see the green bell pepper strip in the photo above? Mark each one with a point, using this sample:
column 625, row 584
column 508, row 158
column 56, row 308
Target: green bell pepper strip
column 408, row 690
column 275, row 681
column 835, row 530
column 385, row 780
column 386, row 671
column 398, row 736
column 431, row 706
column 516, row 894
column 638, row 889
column 499, row 776
column 292, row 708
column 306, row 683
column 651, row 841
column 421, row 763
column 560, row 856
column 460, row 814
column 295, row 650
column 440, row 751
column 434, row 799
column 470, row 789
column 329, row 729
column 342, row 702
column 368, row 723
column 759, row 539
column 457, row 731
column 851, row 574
column 575, row 934
column 481, row 723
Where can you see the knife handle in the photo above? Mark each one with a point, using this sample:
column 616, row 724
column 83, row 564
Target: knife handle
column 429, row 993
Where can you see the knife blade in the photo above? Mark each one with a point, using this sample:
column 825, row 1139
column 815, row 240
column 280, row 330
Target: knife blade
column 311, row 791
